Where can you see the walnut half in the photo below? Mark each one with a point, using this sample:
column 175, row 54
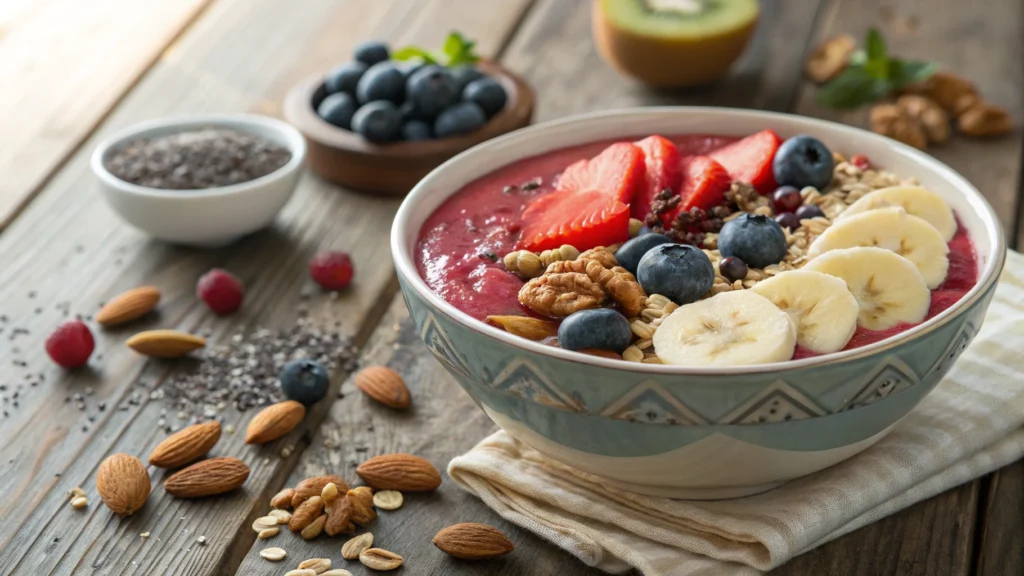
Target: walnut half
column 561, row 294
column 933, row 118
column 892, row 121
column 830, row 58
column 984, row 119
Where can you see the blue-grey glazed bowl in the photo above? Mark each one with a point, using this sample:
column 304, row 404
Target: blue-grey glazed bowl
column 688, row 432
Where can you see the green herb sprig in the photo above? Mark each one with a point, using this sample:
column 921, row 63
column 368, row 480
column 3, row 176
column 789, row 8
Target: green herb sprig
column 455, row 51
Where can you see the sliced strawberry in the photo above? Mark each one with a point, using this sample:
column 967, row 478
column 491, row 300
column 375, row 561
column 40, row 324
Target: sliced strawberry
column 703, row 186
column 582, row 219
column 618, row 171
column 750, row 159
column 661, row 158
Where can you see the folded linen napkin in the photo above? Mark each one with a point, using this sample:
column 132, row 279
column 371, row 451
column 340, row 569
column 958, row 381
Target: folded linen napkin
column 971, row 424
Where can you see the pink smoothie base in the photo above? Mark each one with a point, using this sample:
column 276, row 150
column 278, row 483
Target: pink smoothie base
column 482, row 221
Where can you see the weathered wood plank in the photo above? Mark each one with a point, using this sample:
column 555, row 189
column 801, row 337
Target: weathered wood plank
column 999, row 550
column 64, row 64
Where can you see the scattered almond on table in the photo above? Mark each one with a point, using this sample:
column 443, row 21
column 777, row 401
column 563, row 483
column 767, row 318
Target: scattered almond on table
column 165, row 343
column 127, row 306
column 403, row 472
column 274, row 421
column 473, row 541
column 384, row 385
column 123, row 484
column 186, row 445
column 207, row 478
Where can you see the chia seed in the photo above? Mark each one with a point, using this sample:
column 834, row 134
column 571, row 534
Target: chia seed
column 197, row 159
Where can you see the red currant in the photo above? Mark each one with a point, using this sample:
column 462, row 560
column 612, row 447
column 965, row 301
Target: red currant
column 786, row 199
column 788, row 220
column 860, row 161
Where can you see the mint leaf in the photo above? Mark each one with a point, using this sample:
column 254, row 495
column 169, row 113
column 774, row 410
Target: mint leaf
column 853, row 87
column 877, row 64
column 413, row 53
column 459, row 50
column 910, row 71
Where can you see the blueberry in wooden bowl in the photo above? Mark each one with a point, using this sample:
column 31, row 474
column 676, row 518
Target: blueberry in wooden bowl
column 380, row 122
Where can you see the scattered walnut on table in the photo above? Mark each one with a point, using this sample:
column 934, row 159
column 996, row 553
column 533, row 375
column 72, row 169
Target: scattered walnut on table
column 952, row 92
column 830, row 58
column 933, row 118
column 984, row 119
column 892, row 121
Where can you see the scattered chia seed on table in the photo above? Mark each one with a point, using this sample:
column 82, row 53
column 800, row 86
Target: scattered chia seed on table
column 197, row 159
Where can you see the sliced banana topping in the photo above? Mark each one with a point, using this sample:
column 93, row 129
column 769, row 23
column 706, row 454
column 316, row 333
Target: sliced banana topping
column 892, row 229
column 888, row 287
column 917, row 201
column 728, row 329
column 821, row 307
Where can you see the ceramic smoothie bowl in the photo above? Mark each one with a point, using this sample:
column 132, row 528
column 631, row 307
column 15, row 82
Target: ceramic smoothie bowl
column 680, row 431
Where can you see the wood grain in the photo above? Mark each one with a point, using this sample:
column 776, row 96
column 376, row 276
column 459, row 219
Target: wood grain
column 64, row 64
column 999, row 549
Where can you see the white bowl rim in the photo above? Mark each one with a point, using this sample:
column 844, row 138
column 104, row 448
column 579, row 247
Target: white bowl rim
column 296, row 144
column 406, row 267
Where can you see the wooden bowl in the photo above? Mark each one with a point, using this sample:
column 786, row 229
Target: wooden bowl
column 346, row 158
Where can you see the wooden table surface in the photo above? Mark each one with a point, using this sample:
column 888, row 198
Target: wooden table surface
column 72, row 75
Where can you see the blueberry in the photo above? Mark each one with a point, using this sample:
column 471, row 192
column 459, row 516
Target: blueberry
column 304, row 381
column 633, row 250
column 465, row 74
column 416, row 130
column 809, row 211
column 645, row 229
column 338, row 109
column 487, row 93
column 382, row 81
column 409, row 113
column 732, row 269
column 372, row 52
column 803, row 161
column 459, row 119
column 411, row 67
column 757, row 240
column 432, row 89
column 378, row 121
column 680, row 272
column 600, row 329
column 788, row 220
column 344, row 78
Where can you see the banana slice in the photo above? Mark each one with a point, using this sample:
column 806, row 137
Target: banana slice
column 821, row 307
column 728, row 329
column 917, row 201
column 893, row 229
column 888, row 287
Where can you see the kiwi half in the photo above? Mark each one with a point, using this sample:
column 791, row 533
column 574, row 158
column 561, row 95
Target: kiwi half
column 673, row 43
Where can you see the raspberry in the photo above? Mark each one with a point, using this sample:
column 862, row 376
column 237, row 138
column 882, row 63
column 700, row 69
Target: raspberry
column 860, row 161
column 332, row 270
column 221, row 291
column 71, row 344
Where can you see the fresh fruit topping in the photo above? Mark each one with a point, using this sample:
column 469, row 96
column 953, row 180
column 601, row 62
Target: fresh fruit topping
column 680, row 272
column 786, row 199
column 383, row 81
column 71, row 344
column 892, row 229
column 630, row 253
column 221, row 291
column 732, row 268
column 809, row 211
column 788, row 220
column 304, row 381
column 729, row 329
column 750, row 159
column 416, row 130
column 487, row 93
column 820, row 306
column 861, row 161
column 703, row 185
column 582, row 219
column 757, row 240
column 462, row 118
column 465, row 74
column 916, row 200
column 345, row 78
column 803, row 161
column 888, row 288
column 371, row 52
column 332, row 270
column 432, row 89
column 378, row 121
column 600, row 329
column 338, row 109
column 662, row 172
column 618, row 171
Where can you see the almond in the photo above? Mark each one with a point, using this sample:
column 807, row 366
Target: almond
column 275, row 421
column 526, row 327
column 128, row 306
column 402, row 472
column 123, row 483
column 306, row 513
column 207, row 478
column 282, row 499
column 315, row 486
column 186, row 445
column 383, row 385
column 472, row 541
column 165, row 343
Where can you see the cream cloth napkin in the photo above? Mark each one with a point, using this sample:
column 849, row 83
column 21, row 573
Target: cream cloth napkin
column 971, row 424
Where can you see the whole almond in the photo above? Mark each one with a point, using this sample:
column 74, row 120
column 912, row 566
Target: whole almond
column 379, row 559
column 315, row 486
column 207, row 478
column 165, row 343
column 472, row 541
column 402, row 472
column 526, row 327
column 186, row 445
column 383, row 385
column 306, row 513
column 128, row 306
column 339, row 516
column 354, row 547
column 315, row 528
column 282, row 499
column 123, row 483
column 274, row 421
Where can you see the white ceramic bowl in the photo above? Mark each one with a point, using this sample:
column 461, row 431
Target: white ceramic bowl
column 208, row 217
